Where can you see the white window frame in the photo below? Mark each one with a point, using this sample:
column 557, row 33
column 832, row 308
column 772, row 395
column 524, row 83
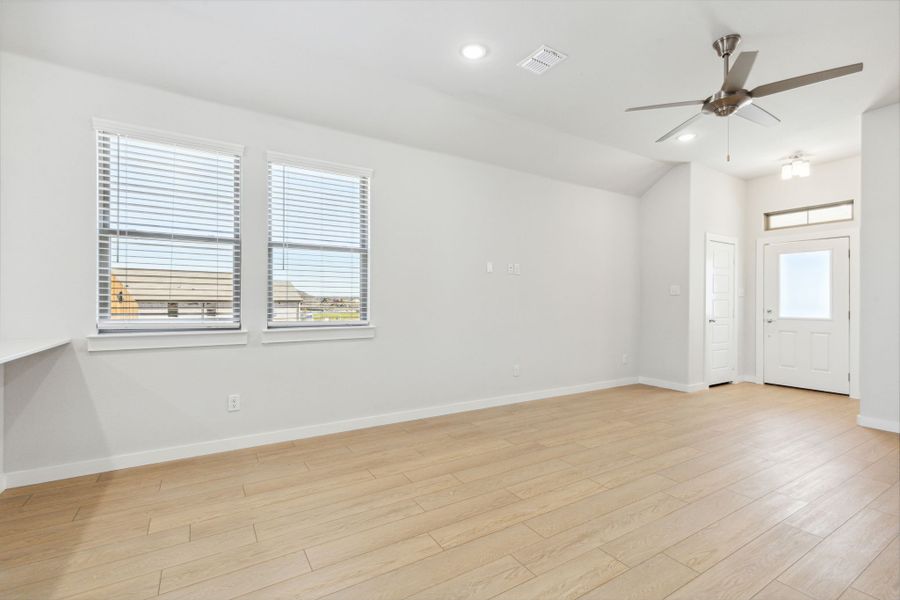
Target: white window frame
column 140, row 330
column 767, row 217
column 312, row 330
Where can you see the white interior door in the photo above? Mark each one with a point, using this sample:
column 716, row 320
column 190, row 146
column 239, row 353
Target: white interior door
column 721, row 347
column 807, row 314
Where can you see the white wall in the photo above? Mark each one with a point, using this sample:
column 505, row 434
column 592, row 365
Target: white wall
column 880, row 281
column 446, row 331
column 717, row 205
column 676, row 214
column 828, row 182
column 664, row 242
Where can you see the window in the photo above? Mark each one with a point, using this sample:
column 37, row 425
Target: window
column 804, row 285
column 811, row 215
column 318, row 243
column 169, row 231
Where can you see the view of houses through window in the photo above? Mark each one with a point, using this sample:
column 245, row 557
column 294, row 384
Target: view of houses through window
column 169, row 237
column 169, row 233
column 318, row 243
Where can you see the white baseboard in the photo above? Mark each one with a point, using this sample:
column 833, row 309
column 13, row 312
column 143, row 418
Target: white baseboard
column 883, row 424
column 672, row 385
column 2, row 483
column 747, row 379
column 137, row 459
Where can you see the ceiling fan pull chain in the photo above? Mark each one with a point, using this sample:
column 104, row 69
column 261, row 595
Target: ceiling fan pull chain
column 728, row 139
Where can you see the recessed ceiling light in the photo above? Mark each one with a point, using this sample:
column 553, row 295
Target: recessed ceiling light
column 686, row 137
column 474, row 51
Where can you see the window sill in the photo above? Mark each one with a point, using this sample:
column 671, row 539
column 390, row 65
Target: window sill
column 317, row 334
column 165, row 339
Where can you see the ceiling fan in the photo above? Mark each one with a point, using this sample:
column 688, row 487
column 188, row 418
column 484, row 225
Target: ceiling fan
column 733, row 99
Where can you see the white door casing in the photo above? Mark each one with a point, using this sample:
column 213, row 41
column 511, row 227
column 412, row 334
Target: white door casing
column 806, row 318
column 720, row 340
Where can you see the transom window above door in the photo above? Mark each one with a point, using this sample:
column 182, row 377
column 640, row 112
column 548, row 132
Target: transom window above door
column 810, row 215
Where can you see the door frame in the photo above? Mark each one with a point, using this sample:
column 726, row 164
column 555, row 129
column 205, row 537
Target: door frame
column 758, row 316
column 735, row 320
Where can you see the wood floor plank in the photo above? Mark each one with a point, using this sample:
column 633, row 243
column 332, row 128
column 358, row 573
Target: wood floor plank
column 480, row 583
column 744, row 573
column 889, row 501
column 335, row 551
column 714, row 542
column 83, row 580
column 653, row 579
column 881, row 579
column 598, row 504
column 778, row 591
column 244, row 580
column 439, row 568
column 832, row 510
column 651, row 539
column 570, row 543
column 570, row 580
column 475, row 526
column 321, row 582
column 832, row 566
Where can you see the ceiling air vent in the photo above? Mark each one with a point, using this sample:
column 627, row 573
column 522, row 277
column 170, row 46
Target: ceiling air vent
column 542, row 60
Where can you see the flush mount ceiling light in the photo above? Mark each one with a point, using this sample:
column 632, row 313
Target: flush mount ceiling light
column 686, row 137
column 796, row 166
column 473, row 51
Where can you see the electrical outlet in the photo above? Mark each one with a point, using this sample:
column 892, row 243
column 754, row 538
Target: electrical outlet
column 517, row 269
column 625, row 359
column 510, row 269
column 515, row 370
column 234, row 402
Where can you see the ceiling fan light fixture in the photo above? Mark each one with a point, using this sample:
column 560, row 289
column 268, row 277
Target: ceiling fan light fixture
column 686, row 137
column 795, row 167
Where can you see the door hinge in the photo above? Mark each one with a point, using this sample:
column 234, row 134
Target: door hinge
column 848, row 376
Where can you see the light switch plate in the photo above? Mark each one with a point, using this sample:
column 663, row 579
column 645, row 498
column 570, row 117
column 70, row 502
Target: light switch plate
column 674, row 290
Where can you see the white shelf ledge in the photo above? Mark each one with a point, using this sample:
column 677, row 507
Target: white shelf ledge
column 105, row 342
column 11, row 350
column 280, row 335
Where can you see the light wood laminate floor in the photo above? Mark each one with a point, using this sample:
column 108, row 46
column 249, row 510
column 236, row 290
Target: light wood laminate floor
column 742, row 491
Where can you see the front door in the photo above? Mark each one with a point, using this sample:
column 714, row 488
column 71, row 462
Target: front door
column 806, row 315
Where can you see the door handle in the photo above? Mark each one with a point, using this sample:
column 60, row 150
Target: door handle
column 712, row 320
column 770, row 320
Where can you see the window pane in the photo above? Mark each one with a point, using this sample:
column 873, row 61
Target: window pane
column 316, row 285
column 827, row 214
column 791, row 219
column 318, row 246
column 804, row 285
column 169, row 242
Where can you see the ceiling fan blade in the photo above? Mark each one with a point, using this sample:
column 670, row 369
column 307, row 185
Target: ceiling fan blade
column 740, row 70
column 667, row 105
column 679, row 128
column 810, row 78
column 757, row 114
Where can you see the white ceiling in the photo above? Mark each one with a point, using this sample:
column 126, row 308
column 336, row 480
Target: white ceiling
column 392, row 70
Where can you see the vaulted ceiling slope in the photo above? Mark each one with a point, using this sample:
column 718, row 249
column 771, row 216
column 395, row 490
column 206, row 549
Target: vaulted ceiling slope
column 392, row 70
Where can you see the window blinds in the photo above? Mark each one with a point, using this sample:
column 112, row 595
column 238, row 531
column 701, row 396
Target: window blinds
column 169, row 232
column 318, row 243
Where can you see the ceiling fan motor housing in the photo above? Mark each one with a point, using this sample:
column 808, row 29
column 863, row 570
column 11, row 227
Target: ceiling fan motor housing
column 723, row 104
